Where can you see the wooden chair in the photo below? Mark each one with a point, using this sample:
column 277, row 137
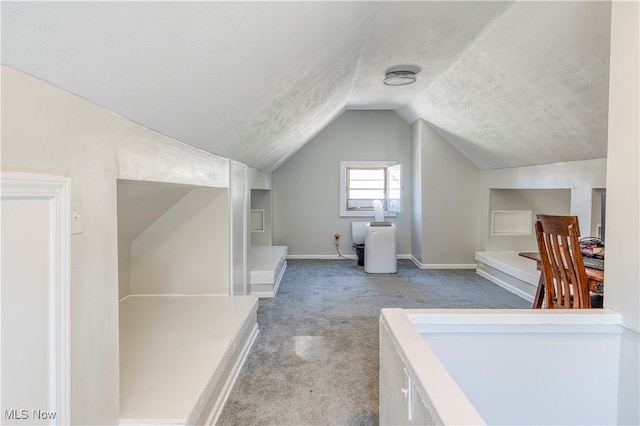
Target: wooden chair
column 565, row 279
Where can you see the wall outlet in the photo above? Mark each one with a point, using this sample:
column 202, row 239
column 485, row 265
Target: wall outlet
column 76, row 214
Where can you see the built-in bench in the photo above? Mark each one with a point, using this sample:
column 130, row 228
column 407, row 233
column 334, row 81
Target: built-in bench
column 509, row 270
column 180, row 355
column 267, row 264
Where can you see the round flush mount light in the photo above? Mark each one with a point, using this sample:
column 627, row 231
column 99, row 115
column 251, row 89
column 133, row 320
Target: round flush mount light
column 401, row 75
column 399, row 78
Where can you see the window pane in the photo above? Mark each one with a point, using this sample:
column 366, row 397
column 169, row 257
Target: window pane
column 365, row 185
column 363, row 182
column 360, row 194
column 395, row 187
column 354, row 204
column 367, row 174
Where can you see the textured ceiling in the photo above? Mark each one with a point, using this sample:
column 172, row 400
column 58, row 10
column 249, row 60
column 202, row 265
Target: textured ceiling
column 508, row 84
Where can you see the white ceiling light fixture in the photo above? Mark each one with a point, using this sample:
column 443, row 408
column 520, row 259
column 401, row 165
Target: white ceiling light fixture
column 401, row 75
column 399, row 78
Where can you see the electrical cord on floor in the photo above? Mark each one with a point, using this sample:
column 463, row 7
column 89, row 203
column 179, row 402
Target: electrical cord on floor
column 340, row 254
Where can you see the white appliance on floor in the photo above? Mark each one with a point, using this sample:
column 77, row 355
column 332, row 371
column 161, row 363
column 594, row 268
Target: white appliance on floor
column 380, row 248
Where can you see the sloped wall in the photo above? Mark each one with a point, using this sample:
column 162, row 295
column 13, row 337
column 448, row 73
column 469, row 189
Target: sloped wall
column 449, row 202
column 186, row 250
column 139, row 205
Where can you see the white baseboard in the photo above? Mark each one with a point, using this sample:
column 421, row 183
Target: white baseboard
column 279, row 278
column 510, row 263
column 443, row 265
column 399, row 256
column 335, row 256
column 505, row 285
column 320, row 256
column 217, row 408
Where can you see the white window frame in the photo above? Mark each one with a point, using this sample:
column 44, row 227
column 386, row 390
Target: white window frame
column 343, row 187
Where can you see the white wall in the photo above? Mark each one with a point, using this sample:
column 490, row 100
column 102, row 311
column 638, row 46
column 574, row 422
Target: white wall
column 622, row 275
column 306, row 188
column 124, row 268
column 261, row 199
column 186, row 250
column 581, row 177
column 258, row 179
column 239, row 206
column 450, row 201
column 416, row 192
column 545, row 201
column 139, row 205
column 596, row 211
column 45, row 129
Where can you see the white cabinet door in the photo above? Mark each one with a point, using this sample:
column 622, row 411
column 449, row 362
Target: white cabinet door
column 35, row 294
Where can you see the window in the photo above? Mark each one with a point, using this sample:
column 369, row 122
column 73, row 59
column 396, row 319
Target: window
column 362, row 182
column 364, row 185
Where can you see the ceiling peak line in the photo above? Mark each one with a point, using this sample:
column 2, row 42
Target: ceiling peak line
column 365, row 41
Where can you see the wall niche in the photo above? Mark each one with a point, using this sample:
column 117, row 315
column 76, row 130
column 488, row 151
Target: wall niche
column 172, row 239
column 182, row 336
column 536, row 201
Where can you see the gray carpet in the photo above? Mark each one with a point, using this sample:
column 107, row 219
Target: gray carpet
column 315, row 360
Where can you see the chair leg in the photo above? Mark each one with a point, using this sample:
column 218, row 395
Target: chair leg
column 539, row 297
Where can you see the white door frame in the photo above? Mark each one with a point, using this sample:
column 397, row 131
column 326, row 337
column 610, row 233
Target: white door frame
column 55, row 191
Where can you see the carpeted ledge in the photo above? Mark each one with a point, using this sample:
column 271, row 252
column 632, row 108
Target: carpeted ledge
column 315, row 361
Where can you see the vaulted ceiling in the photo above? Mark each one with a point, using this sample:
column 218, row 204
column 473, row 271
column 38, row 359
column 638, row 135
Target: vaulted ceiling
column 507, row 83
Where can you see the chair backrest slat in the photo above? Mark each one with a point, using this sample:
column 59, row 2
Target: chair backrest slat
column 564, row 273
